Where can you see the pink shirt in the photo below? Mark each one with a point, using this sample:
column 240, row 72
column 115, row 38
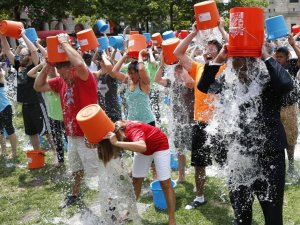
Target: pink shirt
column 73, row 98
column 155, row 139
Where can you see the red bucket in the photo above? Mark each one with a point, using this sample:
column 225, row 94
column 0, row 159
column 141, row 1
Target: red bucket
column 168, row 47
column 295, row 29
column 136, row 43
column 246, row 31
column 207, row 15
column 35, row 159
column 94, row 123
column 11, row 28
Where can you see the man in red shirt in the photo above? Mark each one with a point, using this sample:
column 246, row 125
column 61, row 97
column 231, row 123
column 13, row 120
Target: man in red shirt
column 77, row 88
column 149, row 143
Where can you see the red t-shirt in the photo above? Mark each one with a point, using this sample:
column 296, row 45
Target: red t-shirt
column 155, row 139
column 73, row 98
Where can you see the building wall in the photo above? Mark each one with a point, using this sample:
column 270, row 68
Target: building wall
column 290, row 9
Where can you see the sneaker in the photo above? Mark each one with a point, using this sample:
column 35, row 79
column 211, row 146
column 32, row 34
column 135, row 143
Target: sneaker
column 194, row 204
column 70, row 200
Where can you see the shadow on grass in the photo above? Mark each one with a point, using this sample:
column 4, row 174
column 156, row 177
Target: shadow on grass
column 7, row 166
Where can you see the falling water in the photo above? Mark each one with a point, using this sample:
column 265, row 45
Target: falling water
column 236, row 109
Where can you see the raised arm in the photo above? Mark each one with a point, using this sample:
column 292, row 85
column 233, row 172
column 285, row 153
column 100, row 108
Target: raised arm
column 180, row 50
column 221, row 27
column 31, row 47
column 292, row 43
column 6, row 50
column 74, row 57
column 158, row 75
column 116, row 69
column 41, row 84
column 40, row 47
column 35, row 70
column 141, row 68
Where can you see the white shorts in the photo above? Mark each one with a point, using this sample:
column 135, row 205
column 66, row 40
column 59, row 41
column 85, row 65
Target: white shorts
column 82, row 158
column 142, row 163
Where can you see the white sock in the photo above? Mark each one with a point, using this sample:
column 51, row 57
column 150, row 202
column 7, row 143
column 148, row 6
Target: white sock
column 199, row 198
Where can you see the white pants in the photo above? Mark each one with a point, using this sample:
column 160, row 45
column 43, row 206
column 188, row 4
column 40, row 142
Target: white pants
column 82, row 158
column 142, row 163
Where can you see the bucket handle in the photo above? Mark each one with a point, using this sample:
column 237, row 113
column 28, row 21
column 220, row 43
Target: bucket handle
column 243, row 29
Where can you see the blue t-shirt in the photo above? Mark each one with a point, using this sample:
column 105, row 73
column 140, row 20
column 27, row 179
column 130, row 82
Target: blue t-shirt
column 4, row 102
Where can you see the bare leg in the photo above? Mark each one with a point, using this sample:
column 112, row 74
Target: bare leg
column 170, row 199
column 3, row 144
column 13, row 142
column 290, row 153
column 77, row 177
column 153, row 169
column 35, row 141
column 200, row 180
column 181, row 167
column 137, row 185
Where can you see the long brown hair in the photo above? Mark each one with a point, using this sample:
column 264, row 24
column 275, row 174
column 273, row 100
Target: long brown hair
column 107, row 151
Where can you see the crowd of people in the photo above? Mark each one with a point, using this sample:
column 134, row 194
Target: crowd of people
column 205, row 87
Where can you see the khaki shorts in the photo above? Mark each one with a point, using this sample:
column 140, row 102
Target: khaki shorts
column 289, row 119
column 82, row 158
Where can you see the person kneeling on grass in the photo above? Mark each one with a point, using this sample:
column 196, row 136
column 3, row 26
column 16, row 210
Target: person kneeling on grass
column 148, row 143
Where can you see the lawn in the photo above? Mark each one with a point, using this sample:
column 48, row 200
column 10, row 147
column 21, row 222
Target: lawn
column 32, row 196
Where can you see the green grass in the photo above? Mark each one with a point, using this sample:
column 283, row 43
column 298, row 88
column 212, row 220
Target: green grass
column 32, row 197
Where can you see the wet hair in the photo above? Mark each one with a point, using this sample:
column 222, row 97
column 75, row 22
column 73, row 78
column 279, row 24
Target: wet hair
column 80, row 25
column 107, row 151
column 62, row 64
column 133, row 66
column 216, row 43
column 283, row 50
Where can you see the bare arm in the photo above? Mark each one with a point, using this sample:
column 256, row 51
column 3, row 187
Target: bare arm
column 116, row 69
column 136, row 146
column 151, row 57
column 34, row 71
column 222, row 29
column 180, row 50
column 296, row 36
column 6, row 50
column 158, row 75
column 31, row 47
column 41, row 48
column 141, row 67
column 295, row 47
column 74, row 57
column 41, row 84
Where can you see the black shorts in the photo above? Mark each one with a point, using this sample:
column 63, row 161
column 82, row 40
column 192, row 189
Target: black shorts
column 33, row 119
column 6, row 120
column 201, row 153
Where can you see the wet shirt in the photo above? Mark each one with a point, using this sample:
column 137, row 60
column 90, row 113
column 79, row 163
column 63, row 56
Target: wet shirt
column 73, row 98
column 25, row 90
column 293, row 96
column 182, row 99
column 108, row 96
column 154, row 138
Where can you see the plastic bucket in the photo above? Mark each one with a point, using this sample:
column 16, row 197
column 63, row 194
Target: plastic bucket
column 133, row 32
column 87, row 40
column 176, row 34
column 295, row 29
column 168, row 47
column 246, row 31
column 116, row 41
column 136, row 43
column 168, row 34
column 35, row 159
column 31, row 34
column 148, row 36
column 103, row 43
column 184, row 34
column 102, row 26
column 157, row 39
column 207, row 15
column 55, row 51
column 158, row 194
column 94, row 123
column 276, row 28
column 174, row 161
column 11, row 28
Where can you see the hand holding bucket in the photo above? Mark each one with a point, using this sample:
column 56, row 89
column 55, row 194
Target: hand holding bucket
column 11, row 28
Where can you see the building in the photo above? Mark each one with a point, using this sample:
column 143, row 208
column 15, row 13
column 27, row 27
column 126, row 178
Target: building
column 290, row 9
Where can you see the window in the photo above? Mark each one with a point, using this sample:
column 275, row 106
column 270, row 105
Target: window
column 294, row 1
column 269, row 10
